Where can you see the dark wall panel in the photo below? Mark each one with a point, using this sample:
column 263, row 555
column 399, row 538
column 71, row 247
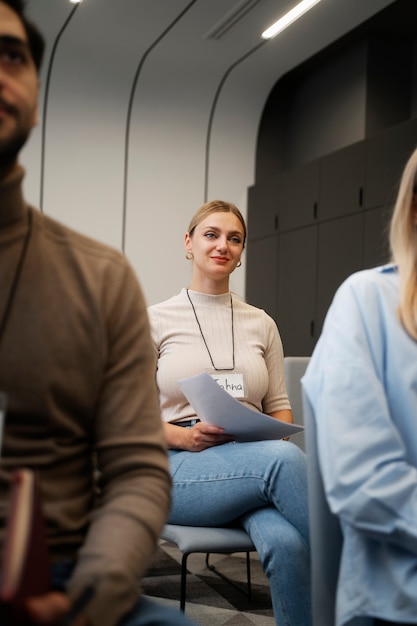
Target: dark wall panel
column 333, row 141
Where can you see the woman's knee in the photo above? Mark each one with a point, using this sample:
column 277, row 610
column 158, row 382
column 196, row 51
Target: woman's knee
column 285, row 550
column 293, row 452
column 287, row 455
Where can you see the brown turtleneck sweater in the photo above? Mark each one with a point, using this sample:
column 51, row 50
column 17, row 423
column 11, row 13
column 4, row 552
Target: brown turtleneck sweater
column 77, row 365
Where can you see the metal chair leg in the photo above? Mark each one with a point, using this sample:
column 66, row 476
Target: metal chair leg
column 183, row 591
column 183, row 581
column 248, row 575
column 248, row 590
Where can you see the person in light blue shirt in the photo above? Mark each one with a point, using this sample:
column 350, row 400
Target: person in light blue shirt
column 362, row 385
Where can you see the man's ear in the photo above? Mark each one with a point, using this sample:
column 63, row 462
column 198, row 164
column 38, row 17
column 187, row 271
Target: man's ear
column 36, row 115
column 35, row 120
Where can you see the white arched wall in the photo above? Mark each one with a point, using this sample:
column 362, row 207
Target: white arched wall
column 92, row 81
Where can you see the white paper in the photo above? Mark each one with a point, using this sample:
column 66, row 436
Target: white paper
column 215, row 406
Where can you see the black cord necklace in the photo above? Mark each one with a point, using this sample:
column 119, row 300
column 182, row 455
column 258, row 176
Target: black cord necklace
column 217, row 369
column 16, row 277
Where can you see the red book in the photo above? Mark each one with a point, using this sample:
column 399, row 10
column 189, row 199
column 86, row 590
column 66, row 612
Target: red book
column 25, row 565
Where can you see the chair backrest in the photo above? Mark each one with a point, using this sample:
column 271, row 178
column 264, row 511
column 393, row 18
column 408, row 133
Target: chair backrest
column 294, row 368
column 325, row 533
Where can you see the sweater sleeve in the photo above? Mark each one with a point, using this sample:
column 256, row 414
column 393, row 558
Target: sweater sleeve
column 276, row 398
column 131, row 458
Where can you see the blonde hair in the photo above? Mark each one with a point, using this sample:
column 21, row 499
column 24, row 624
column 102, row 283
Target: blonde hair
column 216, row 206
column 403, row 242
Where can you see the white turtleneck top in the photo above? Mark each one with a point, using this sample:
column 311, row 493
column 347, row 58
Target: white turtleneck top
column 181, row 351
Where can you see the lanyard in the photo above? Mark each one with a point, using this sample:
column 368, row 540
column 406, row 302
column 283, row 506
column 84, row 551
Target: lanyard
column 217, row 369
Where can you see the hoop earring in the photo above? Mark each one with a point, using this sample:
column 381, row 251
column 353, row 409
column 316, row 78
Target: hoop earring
column 239, row 263
column 189, row 256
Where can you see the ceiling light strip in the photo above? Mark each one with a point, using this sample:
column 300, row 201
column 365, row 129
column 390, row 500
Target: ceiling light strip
column 290, row 17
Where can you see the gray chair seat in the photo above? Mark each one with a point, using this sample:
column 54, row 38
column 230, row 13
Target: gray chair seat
column 206, row 539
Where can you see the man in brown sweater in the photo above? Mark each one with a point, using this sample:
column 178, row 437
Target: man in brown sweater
column 77, row 366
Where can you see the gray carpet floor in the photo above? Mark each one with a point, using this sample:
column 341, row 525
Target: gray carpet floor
column 210, row 600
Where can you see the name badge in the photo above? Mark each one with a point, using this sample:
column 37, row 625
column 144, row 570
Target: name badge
column 232, row 383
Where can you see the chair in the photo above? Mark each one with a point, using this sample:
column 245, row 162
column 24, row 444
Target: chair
column 325, row 533
column 204, row 539
column 230, row 539
column 294, row 368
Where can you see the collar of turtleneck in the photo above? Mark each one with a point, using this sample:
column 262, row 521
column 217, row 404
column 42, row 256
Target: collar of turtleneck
column 207, row 299
column 12, row 205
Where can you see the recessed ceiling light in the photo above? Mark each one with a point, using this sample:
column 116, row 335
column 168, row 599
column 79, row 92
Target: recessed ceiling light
column 75, row 1
column 288, row 18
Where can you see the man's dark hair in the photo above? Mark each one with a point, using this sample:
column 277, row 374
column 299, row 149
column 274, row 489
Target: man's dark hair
column 35, row 37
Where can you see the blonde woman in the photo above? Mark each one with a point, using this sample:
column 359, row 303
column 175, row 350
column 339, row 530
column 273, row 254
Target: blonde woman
column 262, row 484
column 362, row 384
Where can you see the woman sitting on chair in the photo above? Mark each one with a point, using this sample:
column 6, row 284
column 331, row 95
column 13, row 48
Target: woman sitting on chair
column 362, row 386
column 262, row 485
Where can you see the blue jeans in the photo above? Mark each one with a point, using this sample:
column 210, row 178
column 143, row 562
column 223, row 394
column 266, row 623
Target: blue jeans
column 263, row 485
column 146, row 612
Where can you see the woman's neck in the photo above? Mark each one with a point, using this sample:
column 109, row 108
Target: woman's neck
column 211, row 287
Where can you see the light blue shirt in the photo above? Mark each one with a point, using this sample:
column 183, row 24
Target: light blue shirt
column 362, row 385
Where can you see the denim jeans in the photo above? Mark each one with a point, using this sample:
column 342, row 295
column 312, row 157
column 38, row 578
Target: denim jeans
column 263, row 485
column 146, row 612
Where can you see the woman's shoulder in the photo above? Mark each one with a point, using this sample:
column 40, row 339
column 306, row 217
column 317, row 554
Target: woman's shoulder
column 252, row 312
column 243, row 305
column 375, row 280
column 365, row 296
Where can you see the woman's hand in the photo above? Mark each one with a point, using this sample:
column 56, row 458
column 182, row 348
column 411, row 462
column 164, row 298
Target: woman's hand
column 197, row 438
column 51, row 609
